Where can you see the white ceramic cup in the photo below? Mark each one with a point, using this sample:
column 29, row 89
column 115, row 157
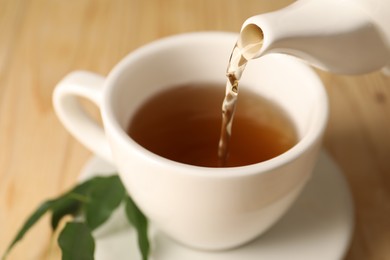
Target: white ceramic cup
column 205, row 208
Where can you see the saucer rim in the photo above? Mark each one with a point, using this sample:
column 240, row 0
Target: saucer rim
column 324, row 157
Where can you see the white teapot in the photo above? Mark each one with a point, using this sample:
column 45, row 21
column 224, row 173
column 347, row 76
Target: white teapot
column 340, row 36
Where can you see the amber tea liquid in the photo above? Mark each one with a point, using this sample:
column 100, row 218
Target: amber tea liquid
column 183, row 124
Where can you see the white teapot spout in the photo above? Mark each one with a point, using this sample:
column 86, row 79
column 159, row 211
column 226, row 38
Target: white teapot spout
column 340, row 36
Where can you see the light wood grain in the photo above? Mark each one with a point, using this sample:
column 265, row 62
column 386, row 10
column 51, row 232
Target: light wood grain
column 43, row 40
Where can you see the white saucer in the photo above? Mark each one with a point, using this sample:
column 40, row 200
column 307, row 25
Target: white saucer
column 318, row 226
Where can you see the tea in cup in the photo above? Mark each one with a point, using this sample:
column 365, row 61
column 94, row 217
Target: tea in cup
column 161, row 111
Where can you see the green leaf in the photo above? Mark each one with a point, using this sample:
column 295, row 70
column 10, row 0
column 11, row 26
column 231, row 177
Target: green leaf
column 97, row 198
column 104, row 197
column 64, row 206
column 87, row 195
column 72, row 201
column 42, row 209
column 76, row 242
column 140, row 223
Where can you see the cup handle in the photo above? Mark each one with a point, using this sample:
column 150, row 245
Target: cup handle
column 72, row 115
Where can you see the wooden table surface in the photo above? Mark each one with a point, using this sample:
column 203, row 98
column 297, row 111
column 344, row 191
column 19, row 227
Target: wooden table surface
column 43, row 40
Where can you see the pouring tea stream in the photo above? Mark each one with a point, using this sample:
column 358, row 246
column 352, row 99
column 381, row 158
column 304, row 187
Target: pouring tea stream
column 340, row 36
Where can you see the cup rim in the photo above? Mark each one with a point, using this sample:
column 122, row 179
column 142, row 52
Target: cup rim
column 120, row 135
